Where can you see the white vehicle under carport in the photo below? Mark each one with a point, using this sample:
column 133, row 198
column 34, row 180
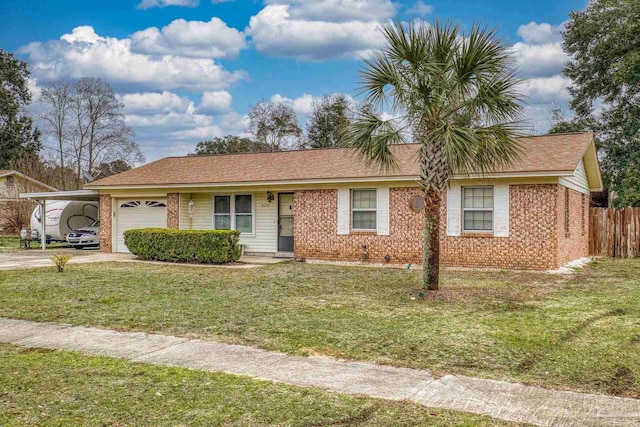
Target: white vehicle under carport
column 63, row 216
column 85, row 237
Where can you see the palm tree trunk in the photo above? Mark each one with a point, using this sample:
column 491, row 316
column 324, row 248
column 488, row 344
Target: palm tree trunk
column 431, row 244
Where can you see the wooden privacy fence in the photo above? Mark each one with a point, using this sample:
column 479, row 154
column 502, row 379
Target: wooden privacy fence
column 614, row 232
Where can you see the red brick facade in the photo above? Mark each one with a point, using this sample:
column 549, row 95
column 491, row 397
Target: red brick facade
column 536, row 239
column 105, row 223
column 173, row 210
column 573, row 244
column 316, row 230
column 532, row 235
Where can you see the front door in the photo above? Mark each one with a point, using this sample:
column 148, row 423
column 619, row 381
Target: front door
column 285, row 222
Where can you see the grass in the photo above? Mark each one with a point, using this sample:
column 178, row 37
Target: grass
column 12, row 244
column 580, row 332
column 50, row 388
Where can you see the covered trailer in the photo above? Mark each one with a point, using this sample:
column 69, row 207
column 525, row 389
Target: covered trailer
column 62, row 216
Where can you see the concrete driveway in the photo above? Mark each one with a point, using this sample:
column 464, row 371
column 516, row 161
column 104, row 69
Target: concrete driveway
column 30, row 258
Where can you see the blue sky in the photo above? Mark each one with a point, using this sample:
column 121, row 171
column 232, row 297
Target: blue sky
column 188, row 70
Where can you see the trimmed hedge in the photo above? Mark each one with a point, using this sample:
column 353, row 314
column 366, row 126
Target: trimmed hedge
column 197, row 246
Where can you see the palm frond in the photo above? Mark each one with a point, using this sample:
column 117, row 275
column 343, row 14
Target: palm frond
column 481, row 150
column 457, row 91
column 371, row 137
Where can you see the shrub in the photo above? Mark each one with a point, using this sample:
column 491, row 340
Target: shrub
column 197, row 246
column 60, row 260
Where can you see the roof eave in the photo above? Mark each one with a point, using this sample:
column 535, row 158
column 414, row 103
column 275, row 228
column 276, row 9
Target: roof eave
column 592, row 167
column 408, row 178
column 28, row 178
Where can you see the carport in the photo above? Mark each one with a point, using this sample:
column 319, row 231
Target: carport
column 42, row 198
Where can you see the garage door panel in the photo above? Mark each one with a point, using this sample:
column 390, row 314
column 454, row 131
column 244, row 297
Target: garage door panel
column 138, row 213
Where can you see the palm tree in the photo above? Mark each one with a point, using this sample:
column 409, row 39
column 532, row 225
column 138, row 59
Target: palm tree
column 452, row 92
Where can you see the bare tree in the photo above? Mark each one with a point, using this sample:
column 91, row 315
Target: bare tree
column 57, row 96
column 89, row 125
column 274, row 124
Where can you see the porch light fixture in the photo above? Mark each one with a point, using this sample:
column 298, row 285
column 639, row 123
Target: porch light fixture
column 270, row 197
column 192, row 208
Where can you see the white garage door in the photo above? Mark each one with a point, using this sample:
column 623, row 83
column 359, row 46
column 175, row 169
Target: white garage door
column 138, row 213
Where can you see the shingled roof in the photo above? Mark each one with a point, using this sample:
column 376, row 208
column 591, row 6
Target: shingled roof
column 557, row 153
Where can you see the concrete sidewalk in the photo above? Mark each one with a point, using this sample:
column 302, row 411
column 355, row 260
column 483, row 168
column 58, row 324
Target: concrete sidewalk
column 507, row 401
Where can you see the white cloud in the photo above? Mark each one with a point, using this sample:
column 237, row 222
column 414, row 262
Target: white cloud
column 539, row 60
column 301, row 105
column 148, row 4
column 274, row 31
column 154, row 102
column 534, row 33
column 338, row 10
column 546, row 89
column 216, row 102
column 199, row 133
column 234, row 123
column 168, row 121
column 213, row 39
column 85, row 53
column 420, row 9
column 34, row 89
column 83, row 33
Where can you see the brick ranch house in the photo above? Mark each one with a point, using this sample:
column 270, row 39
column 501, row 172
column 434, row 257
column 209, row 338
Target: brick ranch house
column 325, row 204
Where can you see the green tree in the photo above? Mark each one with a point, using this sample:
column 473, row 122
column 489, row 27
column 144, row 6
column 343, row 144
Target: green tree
column 328, row 122
column 275, row 124
column 231, row 144
column 603, row 44
column 17, row 134
column 455, row 94
column 561, row 124
column 106, row 169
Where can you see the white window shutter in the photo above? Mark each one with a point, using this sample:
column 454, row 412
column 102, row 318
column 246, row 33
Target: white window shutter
column 501, row 210
column 382, row 211
column 454, row 209
column 343, row 210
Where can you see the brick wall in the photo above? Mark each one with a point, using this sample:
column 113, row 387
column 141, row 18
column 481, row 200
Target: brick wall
column 173, row 210
column 533, row 241
column 316, row 230
column 575, row 243
column 105, row 223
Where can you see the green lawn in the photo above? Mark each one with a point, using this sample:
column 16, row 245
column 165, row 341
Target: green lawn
column 49, row 388
column 12, row 243
column 580, row 332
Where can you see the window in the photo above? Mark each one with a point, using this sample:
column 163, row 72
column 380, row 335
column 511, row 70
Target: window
column 583, row 199
column 477, row 207
column 10, row 182
column 566, row 210
column 363, row 210
column 155, row 204
column 244, row 214
column 222, row 212
column 233, row 213
column 131, row 204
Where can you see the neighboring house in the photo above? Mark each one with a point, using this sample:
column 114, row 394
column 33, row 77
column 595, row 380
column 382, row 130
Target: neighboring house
column 14, row 211
column 325, row 204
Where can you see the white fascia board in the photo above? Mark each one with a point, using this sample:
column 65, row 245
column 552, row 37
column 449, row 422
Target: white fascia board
column 331, row 181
